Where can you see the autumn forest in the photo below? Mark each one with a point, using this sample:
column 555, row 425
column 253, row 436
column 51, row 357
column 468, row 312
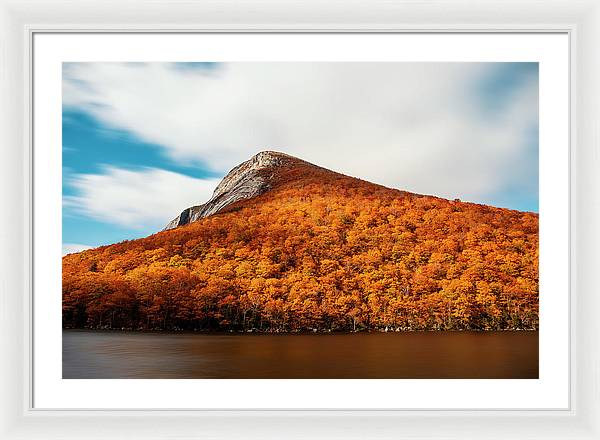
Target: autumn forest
column 319, row 251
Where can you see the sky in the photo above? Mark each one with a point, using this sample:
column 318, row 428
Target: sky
column 143, row 141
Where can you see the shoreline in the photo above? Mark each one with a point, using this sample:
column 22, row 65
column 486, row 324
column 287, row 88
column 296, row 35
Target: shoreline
column 290, row 333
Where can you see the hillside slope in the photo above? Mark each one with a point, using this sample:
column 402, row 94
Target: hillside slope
column 314, row 249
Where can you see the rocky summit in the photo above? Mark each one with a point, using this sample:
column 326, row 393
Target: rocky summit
column 249, row 179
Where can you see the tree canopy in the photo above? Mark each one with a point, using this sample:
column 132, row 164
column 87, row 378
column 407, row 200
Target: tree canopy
column 318, row 251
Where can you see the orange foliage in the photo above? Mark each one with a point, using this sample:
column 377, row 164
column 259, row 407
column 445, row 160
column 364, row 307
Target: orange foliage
column 318, row 251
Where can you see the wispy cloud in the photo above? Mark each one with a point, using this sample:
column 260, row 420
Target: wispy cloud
column 71, row 248
column 425, row 127
column 136, row 199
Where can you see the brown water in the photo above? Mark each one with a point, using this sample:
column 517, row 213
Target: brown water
column 408, row 355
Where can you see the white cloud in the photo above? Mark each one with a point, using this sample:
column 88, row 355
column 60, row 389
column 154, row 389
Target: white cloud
column 414, row 126
column 138, row 199
column 71, row 248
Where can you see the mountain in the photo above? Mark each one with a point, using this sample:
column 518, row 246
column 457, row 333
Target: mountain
column 285, row 245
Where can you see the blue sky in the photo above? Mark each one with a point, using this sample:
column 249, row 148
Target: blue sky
column 142, row 141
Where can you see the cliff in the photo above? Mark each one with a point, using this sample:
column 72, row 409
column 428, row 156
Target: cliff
column 249, row 179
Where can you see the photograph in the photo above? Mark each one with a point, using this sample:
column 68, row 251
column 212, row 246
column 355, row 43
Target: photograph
column 300, row 220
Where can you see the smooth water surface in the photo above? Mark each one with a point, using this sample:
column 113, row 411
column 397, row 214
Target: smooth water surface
column 408, row 355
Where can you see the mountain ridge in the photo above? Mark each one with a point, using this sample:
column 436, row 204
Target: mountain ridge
column 256, row 176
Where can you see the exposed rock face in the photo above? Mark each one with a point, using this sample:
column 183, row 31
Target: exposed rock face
column 247, row 180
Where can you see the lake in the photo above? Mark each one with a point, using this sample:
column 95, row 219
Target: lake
column 405, row 355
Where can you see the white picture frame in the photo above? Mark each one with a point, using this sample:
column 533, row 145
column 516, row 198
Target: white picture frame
column 20, row 20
